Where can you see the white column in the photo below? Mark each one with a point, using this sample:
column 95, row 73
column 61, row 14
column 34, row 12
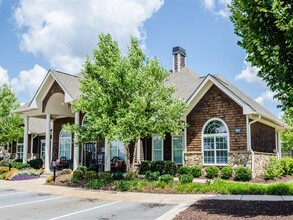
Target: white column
column 107, row 156
column 279, row 144
column 138, row 151
column 76, row 146
column 25, row 139
column 47, row 148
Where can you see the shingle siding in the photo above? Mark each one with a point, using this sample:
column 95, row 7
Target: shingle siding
column 262, row 138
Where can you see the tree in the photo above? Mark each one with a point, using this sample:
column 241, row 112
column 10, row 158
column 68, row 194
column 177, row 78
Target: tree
column 287, row 134
column 10, row 123
column 266, row 31
column 125, row 97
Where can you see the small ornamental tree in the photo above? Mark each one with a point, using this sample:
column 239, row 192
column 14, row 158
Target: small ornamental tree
column 287, row 134
column 125, row 98
column 10, row 123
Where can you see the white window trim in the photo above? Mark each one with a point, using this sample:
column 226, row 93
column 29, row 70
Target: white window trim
column 183, row 147
column 19, row 152
column 70, row 145
column 153, row 155
column 43, row 141
column 215, row 135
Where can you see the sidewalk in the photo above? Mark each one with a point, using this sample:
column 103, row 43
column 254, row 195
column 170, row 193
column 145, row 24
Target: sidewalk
column 38, row 185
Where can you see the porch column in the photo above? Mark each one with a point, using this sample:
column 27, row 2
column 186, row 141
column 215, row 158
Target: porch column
column 25, row 139
column 47, row 148
column 76, row 146
column 138, row 152
column 107, row 156
column 279, row 144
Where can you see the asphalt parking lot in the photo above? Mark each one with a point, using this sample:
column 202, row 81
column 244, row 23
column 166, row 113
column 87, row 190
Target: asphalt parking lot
column 17, row 204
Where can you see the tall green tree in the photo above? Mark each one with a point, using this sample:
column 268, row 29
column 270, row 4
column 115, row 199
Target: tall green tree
column 125, row 97
column 265, row 28
column 287, row 134
column 11, row 128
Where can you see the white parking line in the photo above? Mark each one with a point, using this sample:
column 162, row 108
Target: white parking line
column 26, row 203
column 85, row 210
column 9, row 194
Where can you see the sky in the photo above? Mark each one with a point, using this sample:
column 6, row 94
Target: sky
column 38, row 35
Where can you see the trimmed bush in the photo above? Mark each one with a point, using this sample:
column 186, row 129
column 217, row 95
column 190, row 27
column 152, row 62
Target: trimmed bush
column 186, row 178
column 184, row 170
column 158, row 166
column 117, row 175
column 167, row 178
column 279, row 189
column 106, row 176
column 287, row 165
column 152, row 176
column 36, row 163
column 243, row 174
column 170, row 168
column 212, row 172
column 145, row 166
column 83, row 169
column 90, row 175
column 78, row 174
column 131, row 176
column 196, row 170
column 226, row 172
column 273, row 169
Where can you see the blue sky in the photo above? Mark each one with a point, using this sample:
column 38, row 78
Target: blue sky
column 38, row 35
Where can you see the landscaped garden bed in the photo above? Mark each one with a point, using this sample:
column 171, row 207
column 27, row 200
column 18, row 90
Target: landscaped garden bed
column 158, row 177
column 16, row 170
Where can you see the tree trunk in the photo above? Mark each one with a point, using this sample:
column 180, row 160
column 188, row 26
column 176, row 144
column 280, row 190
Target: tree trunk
column 127, row 156
column 134, row 154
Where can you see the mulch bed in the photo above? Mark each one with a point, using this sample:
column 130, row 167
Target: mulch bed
column 280, row 179
column 232, row 209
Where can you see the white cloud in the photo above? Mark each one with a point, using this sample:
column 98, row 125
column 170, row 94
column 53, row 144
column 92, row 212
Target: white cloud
column 4, row 78
column 64, row 32
column 266, row 97
column 217, row 7
column 249, row 74
column 28, row 81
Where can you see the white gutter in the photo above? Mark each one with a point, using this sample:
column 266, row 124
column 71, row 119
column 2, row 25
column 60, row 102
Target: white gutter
column 249, row 140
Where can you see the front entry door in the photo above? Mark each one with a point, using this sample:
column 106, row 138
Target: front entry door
column 89, row 154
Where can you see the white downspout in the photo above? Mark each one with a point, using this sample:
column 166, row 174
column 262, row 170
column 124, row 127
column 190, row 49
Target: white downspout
column 249, row 142
column 32, row 144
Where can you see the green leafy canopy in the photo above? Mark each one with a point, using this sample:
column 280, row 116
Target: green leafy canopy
column 265, row 28
column 126, row 97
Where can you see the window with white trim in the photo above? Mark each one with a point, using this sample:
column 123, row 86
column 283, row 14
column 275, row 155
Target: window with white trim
column 117, row 149
column 64, row 144
column 215, row 142
column 19, row 150
column 177, row 149
column 158, row 144
column 43, row 150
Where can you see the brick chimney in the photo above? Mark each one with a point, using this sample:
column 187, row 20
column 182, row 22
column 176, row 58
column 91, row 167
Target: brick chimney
column 179, row 59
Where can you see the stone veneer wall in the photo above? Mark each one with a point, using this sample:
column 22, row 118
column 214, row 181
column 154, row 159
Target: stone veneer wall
column 260, row 160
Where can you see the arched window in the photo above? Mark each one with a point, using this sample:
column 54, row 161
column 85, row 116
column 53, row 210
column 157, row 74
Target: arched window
column 215, row 142
column 64, row 144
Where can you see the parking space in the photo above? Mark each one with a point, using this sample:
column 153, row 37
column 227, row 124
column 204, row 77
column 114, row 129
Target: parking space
column 16, row 204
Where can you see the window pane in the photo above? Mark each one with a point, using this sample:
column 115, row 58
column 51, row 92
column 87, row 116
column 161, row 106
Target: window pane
column 215, row 127
column 177, row 148
column 208, row 143
column 222, row 157
column 157, row 155
column 177, row 142
column 209, row 157
column 177, row 156
column 157, row 143
column 221, row 143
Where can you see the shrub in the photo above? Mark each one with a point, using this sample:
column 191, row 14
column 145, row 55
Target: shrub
column 273, row 169
column 212, row 172
column 170, row 168
column 25, row 174
column 4, row 163
column 196, row 171
column 96, row 184
column 19, row 165
column 186, row 178
column 158, row 166
column 106, row 176
column 10, row 173
column 36, row 163
column 78, row 174
column 90, row 175
column 131, row 176
column 145, row 166
column 49, row 179
column 117, row 175
column 3, row 169
column 152, row 176
column 287, row 165
column 279, row 189
column 74, row 180
column 167, row 178
column 226, row 172
column 83, row 169
column 184, row 170
column 243, row 174
column 123, row 185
